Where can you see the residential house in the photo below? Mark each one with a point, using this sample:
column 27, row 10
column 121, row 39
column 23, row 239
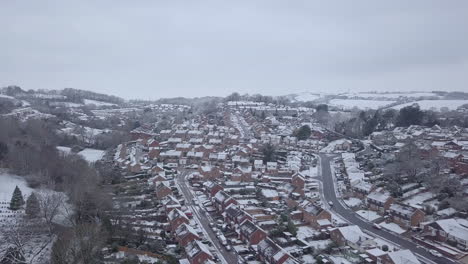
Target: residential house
column 379, row 200
column 197, row 252
column 353, row 237
column 271, row 253
column 222, row 200
column 163, row 189
column 251, row 233
column 406, row 216
column 399, row 257
column 176, row 218
column 185, row 234
column 448, row 230
column 311, row 213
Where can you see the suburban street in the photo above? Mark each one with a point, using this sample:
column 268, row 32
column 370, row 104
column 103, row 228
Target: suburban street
column 204, row 220
column 328, row 193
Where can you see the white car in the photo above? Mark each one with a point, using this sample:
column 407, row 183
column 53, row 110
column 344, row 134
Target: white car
column 435, row 253
column 330, row 203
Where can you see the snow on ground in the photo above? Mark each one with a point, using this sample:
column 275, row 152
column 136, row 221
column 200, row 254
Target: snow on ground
column 320, row 244
column 306, row 232
column 435, row 105
column 92, row 155
column 392, row 227
column 305, row 97
column 311, row 172
column 348, row 104
column 353, row 202
column 8, row 182
column 331, row 147
column 418, row 200
column 368, row 215
column 340, row 259
column 6, row 96
column 97, row 103
column 390, row 95
column 308, row 259
column 64, row 150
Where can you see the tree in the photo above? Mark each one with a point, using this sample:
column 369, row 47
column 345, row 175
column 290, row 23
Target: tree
column 303, row 132
column 269, row 152
column 292, row 228
column 3, row 150
column 12, row 256
column 17, row 200
column 410, row 115
column 33, row 208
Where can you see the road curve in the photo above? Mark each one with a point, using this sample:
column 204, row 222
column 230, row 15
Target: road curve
column 329, row 194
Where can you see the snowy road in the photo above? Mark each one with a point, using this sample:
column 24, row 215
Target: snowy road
column 328, row 193
column 204, row 220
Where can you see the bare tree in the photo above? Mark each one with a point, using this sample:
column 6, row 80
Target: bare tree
column 30, row 241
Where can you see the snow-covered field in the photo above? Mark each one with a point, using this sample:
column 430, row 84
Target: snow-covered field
column 8, row 182
column 97, row 103
column 368, row 215
column 390, row 95
column 348, row 104
column 305, row 97
column 92, row 155
column 435, row 105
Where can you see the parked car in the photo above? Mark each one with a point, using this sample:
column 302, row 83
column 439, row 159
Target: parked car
column 435, row 253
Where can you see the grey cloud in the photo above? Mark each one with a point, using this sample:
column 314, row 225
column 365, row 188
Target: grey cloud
column 183, row 48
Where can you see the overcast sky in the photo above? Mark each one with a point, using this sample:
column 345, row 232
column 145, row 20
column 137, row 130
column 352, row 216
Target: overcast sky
column 153, row 49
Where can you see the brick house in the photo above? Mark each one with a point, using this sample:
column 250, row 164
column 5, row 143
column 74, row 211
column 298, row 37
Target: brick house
column 197, row 252
column 311, row 213
column 398, row 257
column 405, row 215
column 351, row 236
column 185, row 234
column 234, row 216
column 448, row 230
column 176, row 218
column 170, row 203
column 271, row 253
column 298, row 181
column 163, row 189
column 209, row 172
column 222, row 200
column 379, row 200
column 251, row 233
column 361, row 189
column 211, row 188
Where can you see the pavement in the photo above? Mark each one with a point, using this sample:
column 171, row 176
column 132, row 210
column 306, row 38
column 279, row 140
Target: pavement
column 204, row 219
column 328, row 193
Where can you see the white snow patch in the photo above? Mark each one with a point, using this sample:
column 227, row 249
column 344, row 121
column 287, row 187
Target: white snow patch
column 353, row 202
column 348, row 104
column 64, row 150
column 92, row 155
column 392, row 227
column 368, row 215
column 8, row 182
column 435, row 105
column 97, row 103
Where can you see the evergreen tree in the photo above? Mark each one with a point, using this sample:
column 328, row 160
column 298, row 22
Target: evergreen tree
column 17, row 199
column 33, row 207
column 303, row 132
